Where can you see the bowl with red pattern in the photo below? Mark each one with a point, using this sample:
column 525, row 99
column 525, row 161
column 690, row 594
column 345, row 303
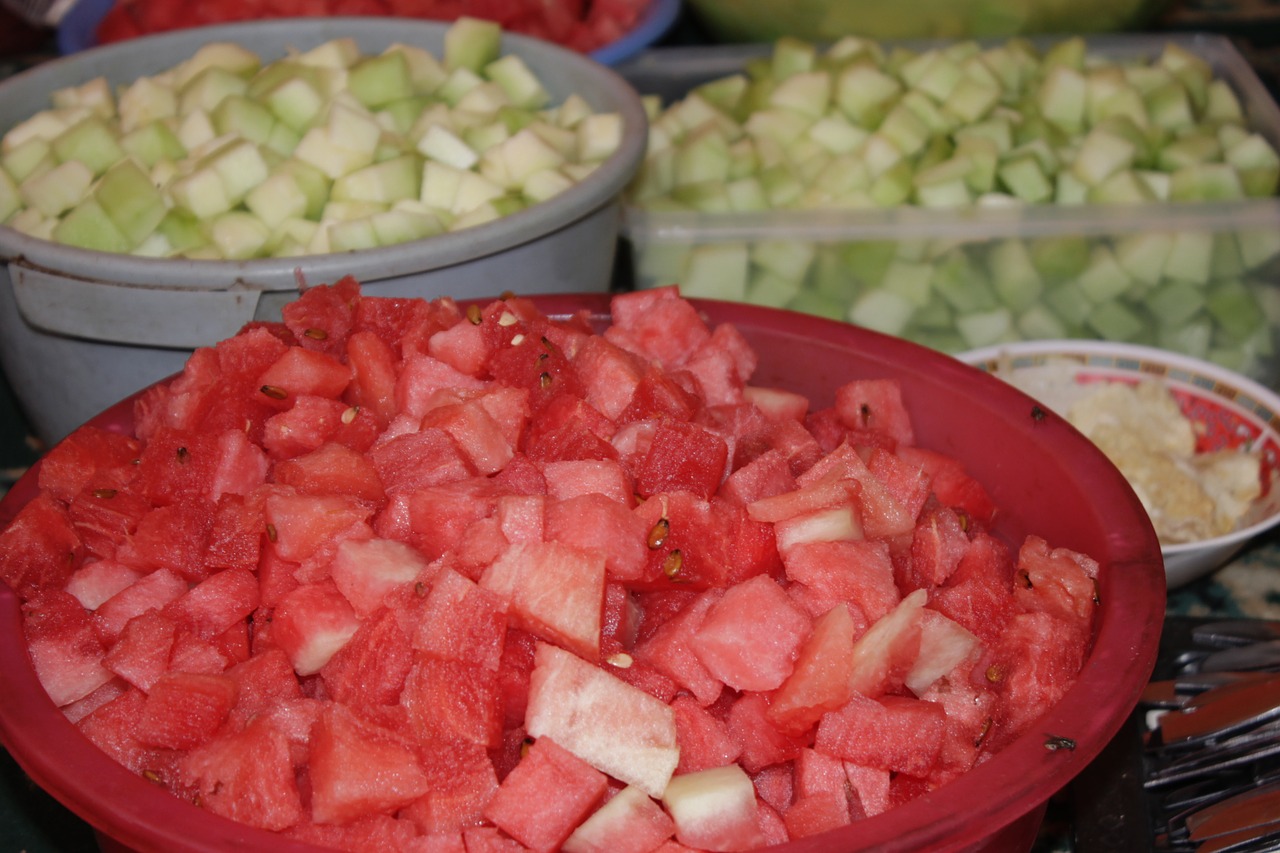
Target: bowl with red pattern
column 1227, row 413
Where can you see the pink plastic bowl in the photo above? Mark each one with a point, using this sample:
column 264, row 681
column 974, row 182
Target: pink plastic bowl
column 1045, row 477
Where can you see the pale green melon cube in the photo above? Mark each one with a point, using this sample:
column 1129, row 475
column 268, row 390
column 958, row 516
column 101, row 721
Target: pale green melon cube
column 29, row 157
column 33, row 223
column 349, row 235
column 222, row 56
column 379, row 80
column 208, row 88
column 94, row 95
column 521, row 85
column 545, row 184
column 144, row 101
column 472, row 44
column 401, row 226
column 444, row 146
column 296, row 102
column 195, row 130
column 46, row 125
column 338, row 54
column 92, row 141
column 425, row 71
column 202, row 193
column 132, row 201
column 717, row 271
column 151, row 143
column 277, row 199
column 238, row 235
column 57, row 190
column 88, row 226
column 384, row 182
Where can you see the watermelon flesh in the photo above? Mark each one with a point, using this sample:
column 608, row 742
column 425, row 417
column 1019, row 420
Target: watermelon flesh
column 484, row 580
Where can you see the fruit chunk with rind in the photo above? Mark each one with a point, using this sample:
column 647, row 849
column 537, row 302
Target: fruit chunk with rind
column 616, row 728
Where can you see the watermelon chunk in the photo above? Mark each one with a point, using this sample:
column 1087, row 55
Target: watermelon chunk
column 546, row 796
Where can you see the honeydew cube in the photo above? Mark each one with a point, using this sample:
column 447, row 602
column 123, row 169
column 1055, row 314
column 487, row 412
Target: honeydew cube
column 29, row 157
column 32, row 222
column 151, row 143
column 154, row 245
column 935, row 119
column 1206, row 182
column 440, row 185
column 484, row 213
column 132, row 201
column 1221, row 103
column 473, row 191
column 91, row 141
column 425, row 71
column 207, row 89
column 444, row 146
column 338, row 54
column 384, row 182
column 703, row 156
column 46, row 125
column 572, row 110
column 972, row 100
column 521, row 86
column 401, row 226
column 882, row 310
column 292, row 236
column 349, row 235
column 1123, row 187
column 1169, row 107
column 782, row 126
column 1023, row 176
column 241, row 166
column 296, row 102
column 195, row 129
column 905, row 130
column 1040, row 323
column 1145, row 255
column 1102, row 154
column 1193, row 71
column 221, row 56
column 1103, row 279
column 1014, row 277
column 1068, row 189
column 598, row 136
column 243, row 117
column 1062, row 97
column 1190, row 257
column 1125, row 102
column 471, row 43
column 806, row 92
column 526, row 153
column 893, row 186
column 483, row 101
column 93, row 95
column 984, row 328
column 379, row 80
column 317, row 148
column 1115, row 321
column 182, row 230
column 238, row 235
column 1257, row 163
column 706, row 196
column 545, row 184
column 944, row 184
column 457, row 84
column 277, row 199
column 717, row 271
column 57, row 190
column 88, row 226
column 202, row 193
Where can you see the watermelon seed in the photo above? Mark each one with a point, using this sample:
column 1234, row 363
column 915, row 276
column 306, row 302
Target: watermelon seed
column 546, row 342
column 275, row 392
column 517, row 340
column 995, row 673
column 151, row 776
column 982, row 735
column 507, row 295
column 1025, row 578
column 420, row 589
column 865, row 411
column 183, row 453
column 1038, row 414
column 525, row 745
column 1097, row 596
column 105, row 494
column 349, row 414
column 621, row 660
column 673, row 563
column 271, row 532
column 317, row 334
column 544, row 380
column 507, row 319
column 473, row 314
column 1053, row 743
column 658, row 534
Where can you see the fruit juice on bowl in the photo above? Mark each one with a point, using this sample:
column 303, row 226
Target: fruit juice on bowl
column 340, row 580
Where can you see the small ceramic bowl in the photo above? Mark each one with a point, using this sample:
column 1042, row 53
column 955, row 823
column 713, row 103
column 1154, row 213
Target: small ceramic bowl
column 1229, row 411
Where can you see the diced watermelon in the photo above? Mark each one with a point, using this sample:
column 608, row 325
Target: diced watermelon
column 875, row 405
column 142, row 652
column 105, row 520
column 262, row 681
column 952, row 484
column 322, row 317
column 594, row 522
column 460, row 781
column 63, row 645
column 979, row 593
column 1036, row 657
column 453, row 700
column 611, row 725
column 302, row 372
column 184, row 710
column 554, row 591
column 111, row 729
column 414, row 460
column 332, row 469
column 714, row 809
column 630, row 822
column 657, row 325
column 371, row 668
column 890, row 648
column 823, row 676
column 894, row 733
column 95, row 582
column 704, row 739
column 669, row 649
column 683, row 458
column 89, row 458
column 462, row 621
column 150, row 592
column 38, row 548
column 359, row 768
column 751, row 636
column 609, row 376
column 422, row 377
column 546, row 796
column 366, row 571
column 859, row 574
column 311, row 624
column 763, row 744
column 302, row 526
column 218, row 602
column 439, row 516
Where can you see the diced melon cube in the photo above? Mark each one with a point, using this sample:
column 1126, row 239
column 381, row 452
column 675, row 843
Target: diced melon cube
column 58, row 189
column 27, row 158
column 444, row 146
column 338, row 54
column 472, row 43
column 425, row 70
column 88, row 226
column 132, row 201
column 144, row 101
column 386, row 182
column 238, row 235
column 207, row 89
column 521, row 85
column 94, row 95
column 599, row 135
column 379, row 80
column 224, row 56
column 92, row 141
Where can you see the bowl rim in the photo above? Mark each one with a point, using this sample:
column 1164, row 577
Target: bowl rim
column 601, row 188
column 1264, row 411
column 1026, row 772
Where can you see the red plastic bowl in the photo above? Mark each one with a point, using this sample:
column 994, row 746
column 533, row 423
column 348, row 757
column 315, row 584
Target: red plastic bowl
column 1046, row 478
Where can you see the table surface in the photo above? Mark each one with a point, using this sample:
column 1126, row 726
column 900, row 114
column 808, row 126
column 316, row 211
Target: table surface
column 1249, row 585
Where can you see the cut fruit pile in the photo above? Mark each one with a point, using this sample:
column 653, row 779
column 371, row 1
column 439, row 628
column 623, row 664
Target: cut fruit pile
column 392, row 569
column 225, row 157
column 582, row 26
column 999, row 131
